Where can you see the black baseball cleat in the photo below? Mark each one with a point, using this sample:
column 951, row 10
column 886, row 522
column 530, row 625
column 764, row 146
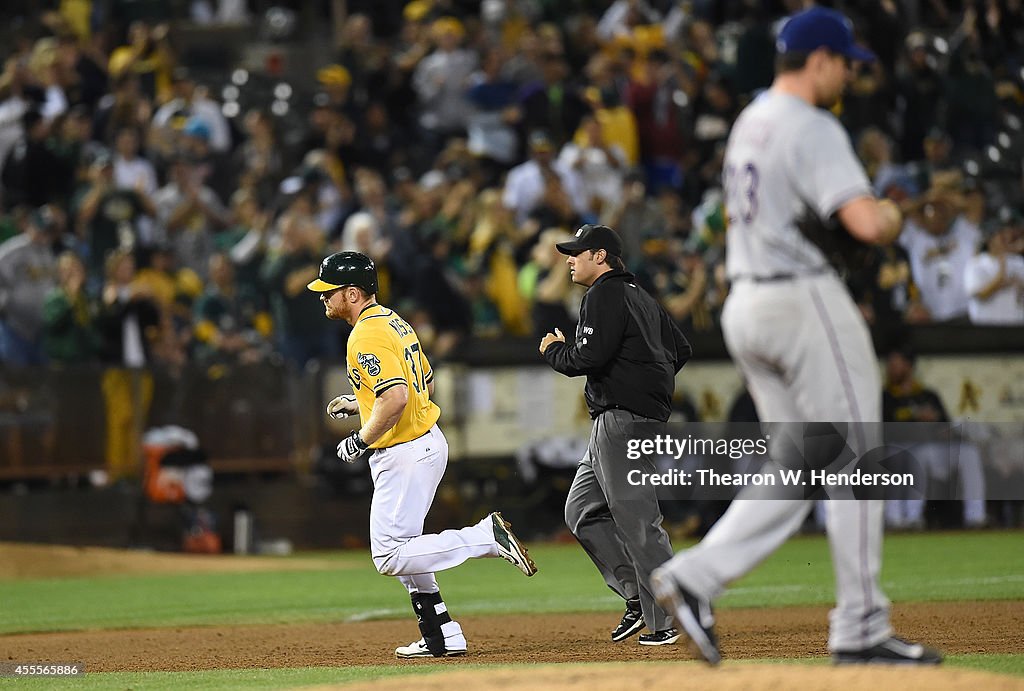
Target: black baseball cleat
column 632, row 622
column 666, row 637
column 693, row 613
column 891, row 651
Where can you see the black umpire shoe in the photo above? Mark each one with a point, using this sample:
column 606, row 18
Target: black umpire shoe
column 891, row 651
column 693, row 613
column 632, row 622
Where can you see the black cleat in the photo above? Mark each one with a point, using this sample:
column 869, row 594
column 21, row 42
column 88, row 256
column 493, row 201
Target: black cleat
column 691, row 612
column 666, row 637
column 891, row 651
column 632, row 622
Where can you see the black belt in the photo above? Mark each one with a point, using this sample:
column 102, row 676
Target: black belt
column 625, row 410
column 775, row 278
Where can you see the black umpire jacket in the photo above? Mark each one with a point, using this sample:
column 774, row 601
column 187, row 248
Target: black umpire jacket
column 627, row 345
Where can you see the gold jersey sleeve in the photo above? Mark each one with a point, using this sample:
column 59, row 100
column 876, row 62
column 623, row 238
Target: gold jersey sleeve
column 384, row 352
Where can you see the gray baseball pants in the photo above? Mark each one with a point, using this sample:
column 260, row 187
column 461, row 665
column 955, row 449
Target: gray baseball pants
column 806, row 355
column 618, row 523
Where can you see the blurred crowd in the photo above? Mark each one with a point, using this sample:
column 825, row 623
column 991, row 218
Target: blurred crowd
column 151, row 216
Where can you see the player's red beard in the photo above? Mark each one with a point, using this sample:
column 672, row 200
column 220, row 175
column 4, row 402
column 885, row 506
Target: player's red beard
column 330, row 310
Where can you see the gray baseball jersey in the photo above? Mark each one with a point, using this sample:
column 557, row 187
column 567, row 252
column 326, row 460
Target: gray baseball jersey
column 784, row 157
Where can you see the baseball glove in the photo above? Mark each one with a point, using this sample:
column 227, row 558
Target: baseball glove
column 842, row 251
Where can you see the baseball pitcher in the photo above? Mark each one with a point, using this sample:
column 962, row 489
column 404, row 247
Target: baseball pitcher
column 797, row 337
column 393, row 383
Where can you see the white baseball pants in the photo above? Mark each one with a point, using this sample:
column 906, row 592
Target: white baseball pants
column 405, row 478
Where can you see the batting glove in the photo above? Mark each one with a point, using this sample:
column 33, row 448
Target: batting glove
column 352, row 447
column 342, row 406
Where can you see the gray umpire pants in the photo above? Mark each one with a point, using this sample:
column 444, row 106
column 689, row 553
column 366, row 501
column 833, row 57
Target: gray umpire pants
column 619, row 524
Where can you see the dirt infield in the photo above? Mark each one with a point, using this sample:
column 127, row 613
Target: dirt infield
column 59, row 561
column 978, row 627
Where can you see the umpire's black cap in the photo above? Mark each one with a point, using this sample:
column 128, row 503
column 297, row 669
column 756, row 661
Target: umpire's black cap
column 592, row 237
column 343, row 269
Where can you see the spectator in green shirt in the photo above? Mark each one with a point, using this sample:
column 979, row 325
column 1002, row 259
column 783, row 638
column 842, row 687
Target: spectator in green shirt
column 70, row 335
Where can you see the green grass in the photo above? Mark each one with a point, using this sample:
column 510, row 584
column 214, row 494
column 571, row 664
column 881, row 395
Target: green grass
column 915, row 568
column 932, row 567
column 283, row 678
column 298, row 677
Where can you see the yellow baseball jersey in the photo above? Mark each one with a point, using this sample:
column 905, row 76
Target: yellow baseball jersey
column 383, row 352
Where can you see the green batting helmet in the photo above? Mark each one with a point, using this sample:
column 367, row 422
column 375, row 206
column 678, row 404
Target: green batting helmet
column 346, row 269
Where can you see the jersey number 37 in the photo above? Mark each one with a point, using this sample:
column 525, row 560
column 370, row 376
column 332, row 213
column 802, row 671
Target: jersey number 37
column 411, row 354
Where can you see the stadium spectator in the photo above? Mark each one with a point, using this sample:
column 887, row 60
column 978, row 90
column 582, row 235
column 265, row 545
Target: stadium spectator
column 364, row 58
column 884, row 290
column 189, row 213
column 490, row 253
column 108, row 217
column 622, row 16
column 995, row 276
column 336, row 82
column 660, row 87
column 529, row 185
column 32, row 173
column 231, row 327
column 27, row 275
column 192, row 101
column 544, row 283
column 131, row 170
column 129, row 325
column 70, row 143
column 148, row 56
column 440, row 80
column 380, row 146
column 970, row 87
column 874, row 148
column 906, row 399
column 636, row 217
column 600, row 166
column 490, row 129
column 299, row 324
column 70, row 332
column 920, row 83
column 553, row 104
column 81, row 71
column 124, row 107
column 940, row 240
column 660, row 115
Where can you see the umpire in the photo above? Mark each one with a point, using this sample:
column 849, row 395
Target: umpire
column 630, row 350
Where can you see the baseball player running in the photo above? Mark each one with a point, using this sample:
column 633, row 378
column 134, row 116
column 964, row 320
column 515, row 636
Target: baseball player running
column 393, row 384
column 797, row 337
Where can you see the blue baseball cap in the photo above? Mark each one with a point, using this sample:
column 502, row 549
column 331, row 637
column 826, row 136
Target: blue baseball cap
column 819, row 27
